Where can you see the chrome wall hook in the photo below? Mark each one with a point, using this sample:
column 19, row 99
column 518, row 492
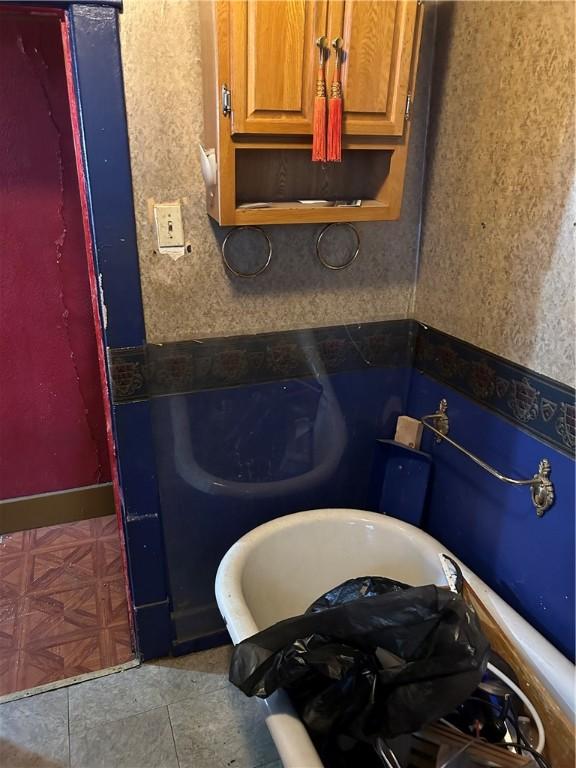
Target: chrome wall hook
column 541, row 487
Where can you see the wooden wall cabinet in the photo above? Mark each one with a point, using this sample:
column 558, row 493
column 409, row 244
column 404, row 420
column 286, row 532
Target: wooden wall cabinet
column 259, row 70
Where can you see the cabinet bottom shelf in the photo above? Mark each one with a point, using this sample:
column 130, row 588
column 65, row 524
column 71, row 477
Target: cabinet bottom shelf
column 294, row 212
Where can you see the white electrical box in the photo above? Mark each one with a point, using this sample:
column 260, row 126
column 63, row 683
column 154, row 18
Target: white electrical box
column 169, row 228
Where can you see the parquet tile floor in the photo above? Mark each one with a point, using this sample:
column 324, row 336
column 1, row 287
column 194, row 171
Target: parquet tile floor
column 63, row 607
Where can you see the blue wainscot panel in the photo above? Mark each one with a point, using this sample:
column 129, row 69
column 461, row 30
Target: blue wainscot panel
column 231, row 459
column 492, row 526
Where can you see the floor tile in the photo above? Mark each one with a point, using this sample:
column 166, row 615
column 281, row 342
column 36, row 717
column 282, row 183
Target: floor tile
column 13, row 543
column 221, row 729
column 109, row 558
column 215, row 662
column 60, row 535
column 140, row 741
column 9, row 666
column 63, row 603
column 10, row 626
column 112, row 601
column 63, row 568
column 59, row 615
column 12, row 576
column 51, row 705
column 34, row 732
column 59, row 660
column 116, row 645
column 104, row 526
column 152, row 685
column 10, row 608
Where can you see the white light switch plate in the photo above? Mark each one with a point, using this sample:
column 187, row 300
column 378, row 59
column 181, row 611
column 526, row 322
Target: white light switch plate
column 169, row 228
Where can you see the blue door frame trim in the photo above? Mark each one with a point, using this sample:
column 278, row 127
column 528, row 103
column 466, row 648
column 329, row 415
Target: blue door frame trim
column 99, row 89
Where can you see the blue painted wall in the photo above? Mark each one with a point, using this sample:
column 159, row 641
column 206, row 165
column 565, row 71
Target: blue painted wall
column 493, row 527
column 231, row 459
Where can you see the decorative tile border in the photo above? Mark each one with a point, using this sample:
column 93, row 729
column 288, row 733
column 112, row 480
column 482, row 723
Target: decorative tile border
column 128, row 367
column 190, row 366
column 534, row 402
column 539, row 405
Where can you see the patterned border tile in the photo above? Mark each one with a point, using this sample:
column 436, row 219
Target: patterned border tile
column 190, row 366
column 539, row 405
column 127, row 367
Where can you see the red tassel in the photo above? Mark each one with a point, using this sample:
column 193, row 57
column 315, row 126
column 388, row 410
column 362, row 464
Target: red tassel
column 319, row 123
column 319, row 138
column 335, row 130
column 334, row 154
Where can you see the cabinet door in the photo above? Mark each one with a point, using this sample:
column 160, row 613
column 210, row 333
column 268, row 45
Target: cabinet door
column 378, row 43
column 273, row 58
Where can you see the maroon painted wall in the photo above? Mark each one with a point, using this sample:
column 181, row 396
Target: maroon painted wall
column 52, row 427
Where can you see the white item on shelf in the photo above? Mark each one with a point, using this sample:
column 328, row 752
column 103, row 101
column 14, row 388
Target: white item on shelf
column 409, row 432
column 209, row 166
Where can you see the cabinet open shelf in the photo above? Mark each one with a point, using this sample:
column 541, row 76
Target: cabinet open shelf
column 282, row 177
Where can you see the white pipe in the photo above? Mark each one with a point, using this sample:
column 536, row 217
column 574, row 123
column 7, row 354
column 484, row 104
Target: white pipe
column 529, row 706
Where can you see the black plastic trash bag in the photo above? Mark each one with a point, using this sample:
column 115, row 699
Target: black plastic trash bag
column 371, row 657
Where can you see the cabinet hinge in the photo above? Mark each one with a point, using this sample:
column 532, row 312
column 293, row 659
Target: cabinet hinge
column 226, row 101
column 408, row 111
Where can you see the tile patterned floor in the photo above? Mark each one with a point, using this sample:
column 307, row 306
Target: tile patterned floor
column 172, row 713
column 63, row 609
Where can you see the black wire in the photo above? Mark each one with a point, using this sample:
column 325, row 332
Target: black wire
column 527, row 748
column 539, row 759
column 505, row 707
column 511, row 716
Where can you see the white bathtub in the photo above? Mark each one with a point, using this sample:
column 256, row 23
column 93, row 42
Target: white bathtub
column 278, row 569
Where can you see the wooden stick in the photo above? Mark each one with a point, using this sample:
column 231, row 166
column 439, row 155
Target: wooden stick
column 560, row 737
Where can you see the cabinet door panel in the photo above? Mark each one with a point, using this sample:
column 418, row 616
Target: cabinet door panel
column 378, row 39
column 273, row 64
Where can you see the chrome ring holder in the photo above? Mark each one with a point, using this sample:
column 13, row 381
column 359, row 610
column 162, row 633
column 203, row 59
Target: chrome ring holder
column 225, row 246
column 541, row 487
column 322, row 260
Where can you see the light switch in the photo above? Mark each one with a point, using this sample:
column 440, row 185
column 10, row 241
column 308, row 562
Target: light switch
column 169, row 229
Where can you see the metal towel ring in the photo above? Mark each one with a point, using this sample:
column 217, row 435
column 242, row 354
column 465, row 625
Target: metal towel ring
column 227, row 264
column 319, row 240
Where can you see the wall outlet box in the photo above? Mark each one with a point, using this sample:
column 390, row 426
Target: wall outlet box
column 169, row 229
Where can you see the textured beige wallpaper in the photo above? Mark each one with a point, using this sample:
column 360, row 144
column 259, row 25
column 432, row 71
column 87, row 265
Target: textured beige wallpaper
column 497, row 255
column 194, row 297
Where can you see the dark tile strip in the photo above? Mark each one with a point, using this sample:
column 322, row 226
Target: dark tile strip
column 539, row 405
column 191, row 366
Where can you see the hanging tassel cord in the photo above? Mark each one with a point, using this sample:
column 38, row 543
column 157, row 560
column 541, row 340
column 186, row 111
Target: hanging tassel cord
column 319, row 124
column 334, row 152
